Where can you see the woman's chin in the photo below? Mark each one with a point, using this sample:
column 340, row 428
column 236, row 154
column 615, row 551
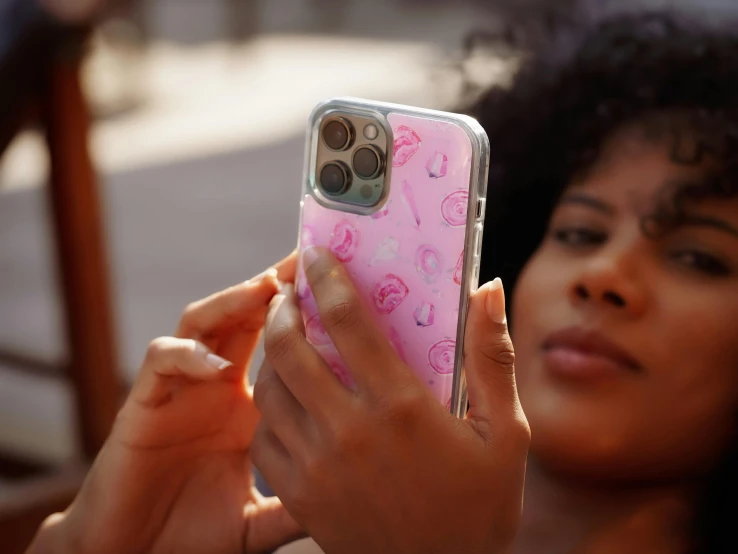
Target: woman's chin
column 583, row 438
column 605, row 438
column 579, row 458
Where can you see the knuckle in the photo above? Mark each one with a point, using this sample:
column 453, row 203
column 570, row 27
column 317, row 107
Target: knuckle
column 279, row 341
column 189, row 311
column 501, row 353
column 341, row 315
column 320, row 273
column 313, row 467
column 158, row 347
column 347, row 437
column 404, row 411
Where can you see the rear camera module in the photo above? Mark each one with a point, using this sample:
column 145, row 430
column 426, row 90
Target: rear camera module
column 335, row 178
column 368, row 162
column 337, row 134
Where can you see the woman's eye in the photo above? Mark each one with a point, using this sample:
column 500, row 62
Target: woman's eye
column 701, row 261
column 578, row 236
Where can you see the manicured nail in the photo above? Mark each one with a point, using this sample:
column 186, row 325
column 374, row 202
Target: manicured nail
column 275, row 314
column 276, row 301
column 496, row 302
column 286, row 289
column 217, row 362
column 309, row 256
column 271, row 272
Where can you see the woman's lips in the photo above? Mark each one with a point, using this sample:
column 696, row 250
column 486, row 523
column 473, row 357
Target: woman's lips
column 579, row 354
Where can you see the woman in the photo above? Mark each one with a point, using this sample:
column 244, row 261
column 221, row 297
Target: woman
column 624, row 282
column 646, row 127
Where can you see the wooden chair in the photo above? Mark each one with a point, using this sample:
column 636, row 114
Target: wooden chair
column 40, row 62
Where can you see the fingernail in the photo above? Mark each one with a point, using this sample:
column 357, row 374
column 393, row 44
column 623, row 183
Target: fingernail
column 309, row 256
column 496, row 302
column 271, row 272
column 274, row 311
column 217, row 362
column 276, row 301
column 286, row 289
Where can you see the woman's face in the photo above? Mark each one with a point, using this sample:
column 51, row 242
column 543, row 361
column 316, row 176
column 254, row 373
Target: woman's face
column 627, row 346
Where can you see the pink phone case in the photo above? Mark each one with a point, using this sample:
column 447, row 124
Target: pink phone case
column 415, row 259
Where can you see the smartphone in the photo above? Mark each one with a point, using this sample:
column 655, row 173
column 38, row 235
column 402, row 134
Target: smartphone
column 398, row 195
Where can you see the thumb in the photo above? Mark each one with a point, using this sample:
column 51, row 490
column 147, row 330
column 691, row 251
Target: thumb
column 489, row 358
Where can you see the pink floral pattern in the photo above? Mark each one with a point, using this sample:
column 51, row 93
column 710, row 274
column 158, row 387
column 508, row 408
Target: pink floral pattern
column 400, row 258
column 386, row 251
column 315, row 331
column 454, row 208
column 407, row 142
column 339, row 370
column 437, row 165
column 441, row 357
column 344, row 241
column 307, row 237
column 301, row 285
column 428, row 262
column 425, row 314
column 389, row 293
column 409, row 197
column 459, row 268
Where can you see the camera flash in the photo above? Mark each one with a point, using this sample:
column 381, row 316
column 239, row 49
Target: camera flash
column 371, row 132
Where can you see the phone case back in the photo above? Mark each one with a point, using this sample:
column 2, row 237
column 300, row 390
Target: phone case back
column 407, row 259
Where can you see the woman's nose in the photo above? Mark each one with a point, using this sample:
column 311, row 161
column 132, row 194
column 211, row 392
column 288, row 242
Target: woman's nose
column 609, row 281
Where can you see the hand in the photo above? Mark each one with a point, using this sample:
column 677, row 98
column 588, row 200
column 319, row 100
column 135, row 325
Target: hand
column 385, row 468
column 175, row 474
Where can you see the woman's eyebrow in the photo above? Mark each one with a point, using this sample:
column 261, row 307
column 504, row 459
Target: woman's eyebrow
column 585, row 200
column 712, row 222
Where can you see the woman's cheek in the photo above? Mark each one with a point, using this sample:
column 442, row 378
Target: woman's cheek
column 531, row 296
column 536, row 311
column 526, row 299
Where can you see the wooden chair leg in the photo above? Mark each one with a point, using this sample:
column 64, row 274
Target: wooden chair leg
column 81, row 256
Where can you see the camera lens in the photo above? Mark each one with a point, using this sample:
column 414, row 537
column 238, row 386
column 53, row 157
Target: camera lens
column 337, row 134
column 367, row 162
column 334, row 178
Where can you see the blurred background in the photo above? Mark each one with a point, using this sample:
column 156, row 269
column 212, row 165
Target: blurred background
column 150, row 154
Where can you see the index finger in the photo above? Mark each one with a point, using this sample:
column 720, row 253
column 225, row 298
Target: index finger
column 287, row 268
column 363, row 347
column 244, row 305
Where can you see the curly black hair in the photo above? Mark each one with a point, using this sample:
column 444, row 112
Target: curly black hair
column 572, row 90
